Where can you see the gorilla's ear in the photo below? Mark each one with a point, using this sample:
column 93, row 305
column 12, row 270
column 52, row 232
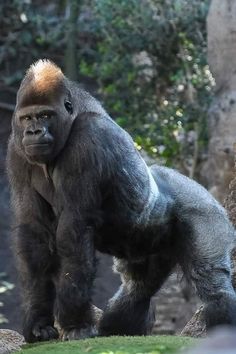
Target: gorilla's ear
column 68, row 106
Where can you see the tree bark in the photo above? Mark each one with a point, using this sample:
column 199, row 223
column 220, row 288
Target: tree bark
column 221, row 26
column 71, row 64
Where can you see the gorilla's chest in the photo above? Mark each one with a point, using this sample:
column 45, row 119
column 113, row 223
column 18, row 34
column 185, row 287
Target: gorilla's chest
column 42, row 183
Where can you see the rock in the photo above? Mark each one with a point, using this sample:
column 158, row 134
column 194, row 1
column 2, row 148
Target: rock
column 10, row 341
column 196, row 327
column 97, row 314
column 221, row 341
column 175, row 305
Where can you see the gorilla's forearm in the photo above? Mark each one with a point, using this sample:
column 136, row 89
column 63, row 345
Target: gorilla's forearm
column 75, row 250
column 36, row 265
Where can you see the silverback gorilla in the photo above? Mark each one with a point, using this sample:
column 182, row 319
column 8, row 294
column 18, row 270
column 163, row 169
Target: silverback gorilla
column 79, row 185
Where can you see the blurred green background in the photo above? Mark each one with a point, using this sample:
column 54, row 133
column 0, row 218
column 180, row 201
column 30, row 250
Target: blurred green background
column 146, row 61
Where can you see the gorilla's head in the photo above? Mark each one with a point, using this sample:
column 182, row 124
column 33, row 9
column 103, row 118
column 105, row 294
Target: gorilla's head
column 45, row 111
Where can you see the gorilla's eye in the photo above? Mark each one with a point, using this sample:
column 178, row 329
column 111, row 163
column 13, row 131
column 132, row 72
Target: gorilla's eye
column 25, row 118
column 68, row 106
column 45, row 116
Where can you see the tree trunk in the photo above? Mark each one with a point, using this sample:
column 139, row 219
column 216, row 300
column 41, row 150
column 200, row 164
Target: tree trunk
column 71, row 65
column 221, row 25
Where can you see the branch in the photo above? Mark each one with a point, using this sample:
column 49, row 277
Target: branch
column 7, row 106
column 8, row 88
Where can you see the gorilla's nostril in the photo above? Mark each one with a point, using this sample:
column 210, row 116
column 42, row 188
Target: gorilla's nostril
column 38, row 131
column 30, row 132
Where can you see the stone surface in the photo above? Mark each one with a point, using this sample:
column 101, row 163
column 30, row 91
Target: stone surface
column 175, row 305
column 221, row 341
column 196, row 327
column 10, row 341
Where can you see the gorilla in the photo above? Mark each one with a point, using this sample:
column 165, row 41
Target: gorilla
column 79, row 185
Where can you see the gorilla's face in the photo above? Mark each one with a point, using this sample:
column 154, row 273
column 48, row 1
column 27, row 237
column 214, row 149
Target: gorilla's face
column 41, row 131
column 36, row 123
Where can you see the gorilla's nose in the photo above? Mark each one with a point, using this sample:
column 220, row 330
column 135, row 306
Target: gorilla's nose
column 36, row 131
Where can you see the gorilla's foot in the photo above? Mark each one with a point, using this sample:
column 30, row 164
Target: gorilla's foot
column 78, row 333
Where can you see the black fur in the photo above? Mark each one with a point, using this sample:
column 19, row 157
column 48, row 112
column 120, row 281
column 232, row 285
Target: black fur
column 89, row 190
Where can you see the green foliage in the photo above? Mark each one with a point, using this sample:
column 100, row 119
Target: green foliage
column 147, row 57
column 5, row 286
column 114, row 345
column 27, row 33
column 150, row 63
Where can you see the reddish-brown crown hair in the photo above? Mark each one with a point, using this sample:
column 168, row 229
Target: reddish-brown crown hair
column 42, row 79
column 45, row 75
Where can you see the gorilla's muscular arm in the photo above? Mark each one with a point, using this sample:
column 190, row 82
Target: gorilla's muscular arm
column 78, row 203
column 35, row 261
column 75, row 247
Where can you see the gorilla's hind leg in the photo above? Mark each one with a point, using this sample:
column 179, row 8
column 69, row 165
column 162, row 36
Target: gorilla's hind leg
column 214, row 286
column 130, row 311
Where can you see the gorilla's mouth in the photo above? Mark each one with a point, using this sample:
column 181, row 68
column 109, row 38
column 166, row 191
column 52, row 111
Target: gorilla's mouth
column 38, row 148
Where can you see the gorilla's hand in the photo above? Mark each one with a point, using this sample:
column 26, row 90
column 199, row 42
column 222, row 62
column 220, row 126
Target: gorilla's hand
column 39, row 330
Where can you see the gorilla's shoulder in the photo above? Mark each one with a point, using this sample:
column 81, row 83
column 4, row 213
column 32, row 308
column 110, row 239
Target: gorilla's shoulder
column 100, row 129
